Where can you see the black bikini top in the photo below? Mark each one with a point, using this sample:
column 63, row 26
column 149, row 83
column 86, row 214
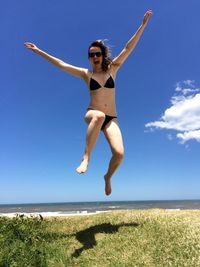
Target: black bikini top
column 94, row 85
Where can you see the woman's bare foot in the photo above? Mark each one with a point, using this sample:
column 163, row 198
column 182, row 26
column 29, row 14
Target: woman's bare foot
column 83, row 166
column 108, row 189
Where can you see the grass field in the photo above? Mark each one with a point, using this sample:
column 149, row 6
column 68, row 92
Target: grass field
column 138, row 238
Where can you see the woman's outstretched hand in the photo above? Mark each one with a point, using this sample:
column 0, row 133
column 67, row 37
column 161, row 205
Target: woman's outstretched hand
column 31, row 46
column 147, row 15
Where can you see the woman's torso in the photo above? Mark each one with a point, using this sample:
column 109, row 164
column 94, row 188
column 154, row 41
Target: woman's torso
column 102, row 92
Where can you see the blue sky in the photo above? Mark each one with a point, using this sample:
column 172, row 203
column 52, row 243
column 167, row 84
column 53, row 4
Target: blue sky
column 42, row 133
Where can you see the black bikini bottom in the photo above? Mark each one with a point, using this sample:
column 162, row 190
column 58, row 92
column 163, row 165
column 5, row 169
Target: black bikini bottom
column 107, row 120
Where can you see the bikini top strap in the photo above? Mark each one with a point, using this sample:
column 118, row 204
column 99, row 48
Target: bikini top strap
column 92, row 73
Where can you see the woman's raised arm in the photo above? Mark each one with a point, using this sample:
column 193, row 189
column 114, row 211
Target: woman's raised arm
column 119, row 60
column 80, row 72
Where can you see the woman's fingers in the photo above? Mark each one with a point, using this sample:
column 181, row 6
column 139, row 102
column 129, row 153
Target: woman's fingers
column 149, row 12
column 30, row 46
column 147, row 15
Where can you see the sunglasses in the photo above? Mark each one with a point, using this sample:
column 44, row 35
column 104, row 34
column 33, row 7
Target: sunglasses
column 93, row 54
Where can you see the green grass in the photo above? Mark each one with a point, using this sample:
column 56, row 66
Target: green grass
column 138, row 238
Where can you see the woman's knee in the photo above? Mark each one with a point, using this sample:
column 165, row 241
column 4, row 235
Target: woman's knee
column 95, row 117
column 98, row 118
column 119, row 154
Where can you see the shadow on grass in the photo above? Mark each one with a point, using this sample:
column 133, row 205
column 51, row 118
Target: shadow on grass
column 87, row 236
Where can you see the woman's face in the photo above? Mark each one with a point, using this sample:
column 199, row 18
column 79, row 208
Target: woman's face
column 95, row 56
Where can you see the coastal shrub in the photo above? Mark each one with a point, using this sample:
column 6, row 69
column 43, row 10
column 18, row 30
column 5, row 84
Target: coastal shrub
column 22, row 241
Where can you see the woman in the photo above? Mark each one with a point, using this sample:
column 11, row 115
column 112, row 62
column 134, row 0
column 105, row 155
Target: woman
column 101, row 113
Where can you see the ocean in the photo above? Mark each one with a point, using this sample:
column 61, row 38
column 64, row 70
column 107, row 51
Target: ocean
column 93, row 207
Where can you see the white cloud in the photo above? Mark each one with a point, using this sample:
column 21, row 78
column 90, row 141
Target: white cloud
column 184, row 113
column 189, row 82
column 189, row 135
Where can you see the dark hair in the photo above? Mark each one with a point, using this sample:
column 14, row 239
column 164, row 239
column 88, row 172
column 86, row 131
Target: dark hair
column 105, row 53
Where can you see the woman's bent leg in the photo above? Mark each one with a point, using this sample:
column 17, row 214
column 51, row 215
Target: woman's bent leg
column 113, row 135
column 94, row 119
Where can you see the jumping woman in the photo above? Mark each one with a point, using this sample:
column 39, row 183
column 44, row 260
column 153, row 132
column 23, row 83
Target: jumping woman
column 101, row 114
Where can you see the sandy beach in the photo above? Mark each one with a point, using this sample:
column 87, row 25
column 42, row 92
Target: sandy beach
column 50, row 214
column 61, row 214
